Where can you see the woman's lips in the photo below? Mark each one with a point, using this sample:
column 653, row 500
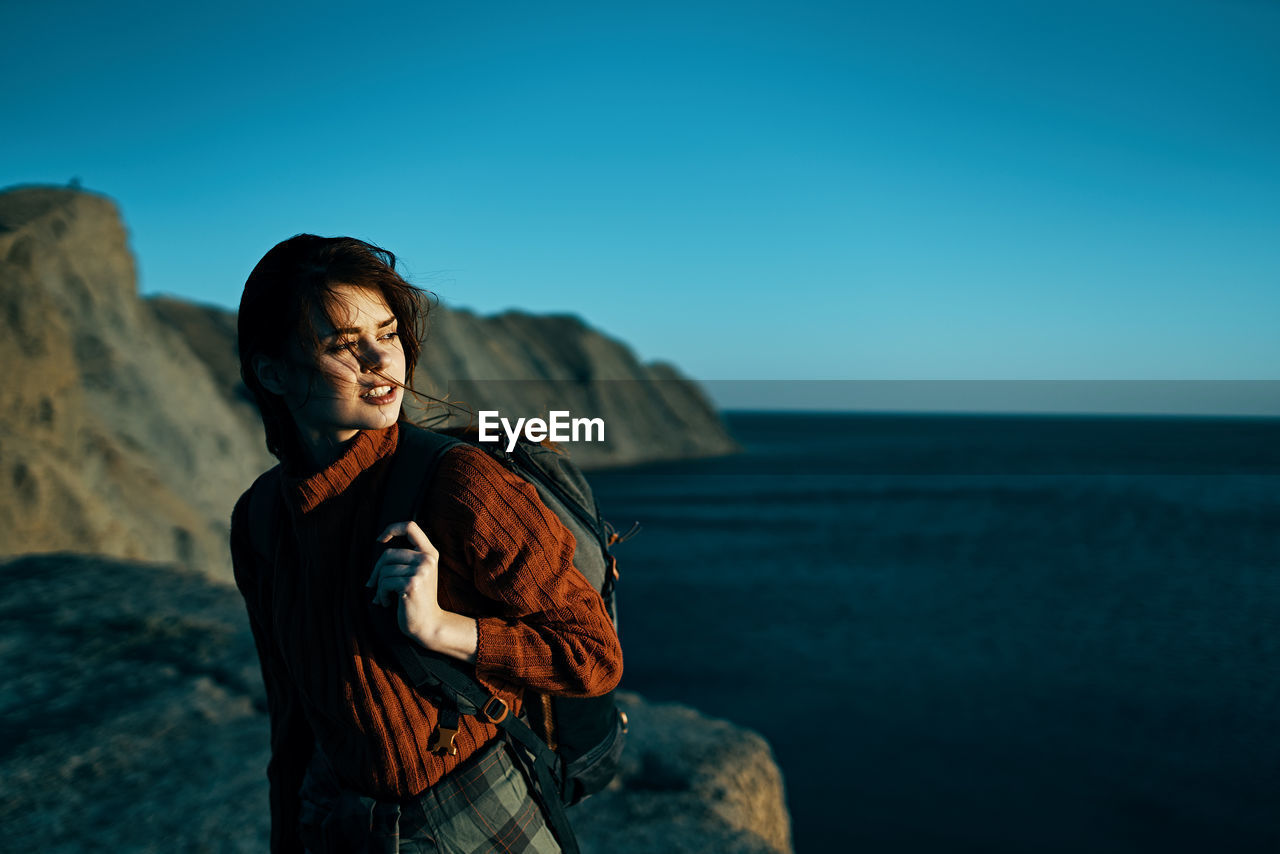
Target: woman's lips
column 380, row 395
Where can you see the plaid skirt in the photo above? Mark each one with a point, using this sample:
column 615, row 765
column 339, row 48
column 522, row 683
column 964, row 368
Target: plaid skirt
column 483, row 806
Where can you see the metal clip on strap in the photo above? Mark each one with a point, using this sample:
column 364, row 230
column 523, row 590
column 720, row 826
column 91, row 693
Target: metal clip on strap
column 441, row 743
column 442, row 740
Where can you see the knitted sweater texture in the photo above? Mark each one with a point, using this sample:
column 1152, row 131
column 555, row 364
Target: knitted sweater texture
column 505, row 559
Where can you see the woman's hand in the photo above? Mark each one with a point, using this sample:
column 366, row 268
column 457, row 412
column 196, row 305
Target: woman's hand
column 407, row 577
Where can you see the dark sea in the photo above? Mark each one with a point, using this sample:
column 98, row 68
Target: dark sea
column 976, row 633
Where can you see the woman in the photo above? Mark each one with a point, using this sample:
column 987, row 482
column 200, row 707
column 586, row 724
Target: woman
column 327, row 337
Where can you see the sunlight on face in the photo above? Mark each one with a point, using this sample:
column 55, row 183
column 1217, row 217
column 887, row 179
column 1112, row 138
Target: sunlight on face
column 354, row 381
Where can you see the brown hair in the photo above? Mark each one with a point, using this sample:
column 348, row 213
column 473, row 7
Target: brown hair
column 289, row 287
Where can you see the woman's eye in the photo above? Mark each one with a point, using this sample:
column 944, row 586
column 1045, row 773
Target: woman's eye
column 339, row 347
column 390, row 335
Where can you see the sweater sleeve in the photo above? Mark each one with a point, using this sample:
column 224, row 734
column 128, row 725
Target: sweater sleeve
column 291, row 738
column 552, row 632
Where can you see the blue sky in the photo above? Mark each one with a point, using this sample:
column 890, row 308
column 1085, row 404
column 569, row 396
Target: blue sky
column 752, row 190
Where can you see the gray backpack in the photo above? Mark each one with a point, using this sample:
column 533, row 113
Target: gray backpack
column 571, row 746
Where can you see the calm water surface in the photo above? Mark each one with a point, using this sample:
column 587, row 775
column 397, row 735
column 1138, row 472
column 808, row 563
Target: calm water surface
column 977, row 633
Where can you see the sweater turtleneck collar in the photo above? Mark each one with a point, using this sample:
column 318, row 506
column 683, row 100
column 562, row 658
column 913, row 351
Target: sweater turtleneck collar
column 309, row 490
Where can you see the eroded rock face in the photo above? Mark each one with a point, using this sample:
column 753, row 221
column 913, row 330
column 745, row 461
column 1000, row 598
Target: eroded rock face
column 133, row 718
column 524, row 365
column 210, row 332
column 115, row 438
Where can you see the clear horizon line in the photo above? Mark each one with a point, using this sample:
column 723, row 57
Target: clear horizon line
column 1010, row 413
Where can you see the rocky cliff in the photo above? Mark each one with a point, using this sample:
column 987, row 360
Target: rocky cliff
column 115, row 436
column 526, row 365
column 132, row 718
column 125, row 430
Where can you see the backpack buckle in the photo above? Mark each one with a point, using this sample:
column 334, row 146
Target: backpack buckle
column 441, row 742
column 498, row 714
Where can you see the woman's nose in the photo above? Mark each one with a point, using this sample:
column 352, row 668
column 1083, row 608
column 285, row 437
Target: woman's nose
column 373, row 357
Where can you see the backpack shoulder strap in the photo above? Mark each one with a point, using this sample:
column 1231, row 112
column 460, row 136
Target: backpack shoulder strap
column 413, row 465
column 417, row 456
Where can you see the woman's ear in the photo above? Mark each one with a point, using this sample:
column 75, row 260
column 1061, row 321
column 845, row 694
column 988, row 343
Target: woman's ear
column 271, row 373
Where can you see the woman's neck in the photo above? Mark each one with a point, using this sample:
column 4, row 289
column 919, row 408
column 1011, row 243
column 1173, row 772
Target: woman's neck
column 321, row 450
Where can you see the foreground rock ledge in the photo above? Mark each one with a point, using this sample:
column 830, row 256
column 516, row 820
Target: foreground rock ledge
column 132, row 719
column 688, row 784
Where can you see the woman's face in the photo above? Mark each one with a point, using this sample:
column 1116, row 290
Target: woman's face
column 353, row 382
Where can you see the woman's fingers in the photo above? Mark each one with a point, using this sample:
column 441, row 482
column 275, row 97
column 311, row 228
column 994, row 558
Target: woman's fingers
column 391, row 588
column 400, row 569
column 414, row 549
column 418, row 537
column 388, row 559
column 405, row 577
column 399, row 557
column 411, row 531
column 392, row 572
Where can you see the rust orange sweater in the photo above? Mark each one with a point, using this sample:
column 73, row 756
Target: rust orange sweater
column 504, row 559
